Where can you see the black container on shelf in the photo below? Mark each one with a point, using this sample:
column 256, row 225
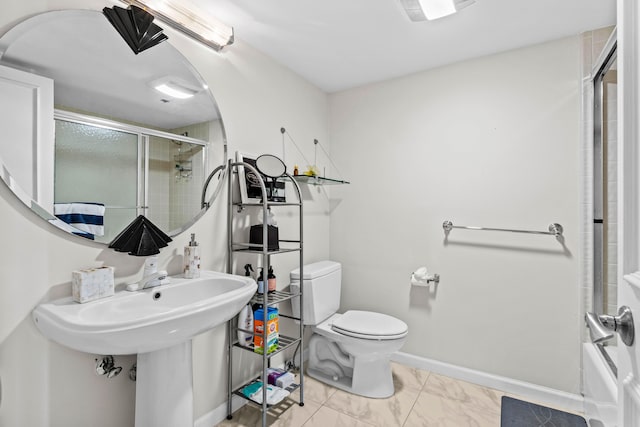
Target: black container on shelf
column 255, row 236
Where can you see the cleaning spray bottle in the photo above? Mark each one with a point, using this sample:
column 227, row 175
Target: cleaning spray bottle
column 248, row 271
column 192, row 259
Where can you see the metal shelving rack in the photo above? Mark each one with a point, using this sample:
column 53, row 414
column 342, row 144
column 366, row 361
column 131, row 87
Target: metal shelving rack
column 266, row 299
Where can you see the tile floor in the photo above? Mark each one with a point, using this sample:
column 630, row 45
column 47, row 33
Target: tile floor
column 421, row 399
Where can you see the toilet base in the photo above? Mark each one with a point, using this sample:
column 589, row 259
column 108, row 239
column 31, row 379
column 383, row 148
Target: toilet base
column 365, row 375
column 377, row 386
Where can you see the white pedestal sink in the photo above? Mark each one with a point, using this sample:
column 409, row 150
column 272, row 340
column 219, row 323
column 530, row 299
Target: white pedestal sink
column 157, row 324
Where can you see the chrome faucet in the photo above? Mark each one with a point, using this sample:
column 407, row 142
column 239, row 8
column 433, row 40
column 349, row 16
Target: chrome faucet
column 152, row 280
column 151, row 276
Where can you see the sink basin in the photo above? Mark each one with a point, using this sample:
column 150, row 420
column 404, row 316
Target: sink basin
column 147, row 320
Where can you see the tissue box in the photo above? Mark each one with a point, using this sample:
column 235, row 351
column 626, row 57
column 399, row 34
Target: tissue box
column 91, row 284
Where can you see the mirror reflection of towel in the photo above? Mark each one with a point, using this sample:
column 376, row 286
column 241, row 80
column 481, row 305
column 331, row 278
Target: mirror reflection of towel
column 86, row 217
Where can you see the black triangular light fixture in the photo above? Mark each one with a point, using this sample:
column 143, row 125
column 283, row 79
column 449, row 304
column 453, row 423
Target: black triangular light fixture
column 136, row 27
column 140, row 238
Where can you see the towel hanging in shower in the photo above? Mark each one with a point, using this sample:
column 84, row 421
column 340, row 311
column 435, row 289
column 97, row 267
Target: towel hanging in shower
column 86, row 217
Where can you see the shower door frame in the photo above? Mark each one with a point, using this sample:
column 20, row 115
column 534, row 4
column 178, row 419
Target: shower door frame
column 608, row 57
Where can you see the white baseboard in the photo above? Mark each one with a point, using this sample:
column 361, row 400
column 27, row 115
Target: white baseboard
column 537, row 393
column 219, row 414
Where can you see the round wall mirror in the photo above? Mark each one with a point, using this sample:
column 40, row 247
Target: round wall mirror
column 95, row 135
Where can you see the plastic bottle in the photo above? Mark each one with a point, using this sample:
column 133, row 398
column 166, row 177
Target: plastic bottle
column 245, row 321
column 271, row 280
column 261, row 282
column 192, row 259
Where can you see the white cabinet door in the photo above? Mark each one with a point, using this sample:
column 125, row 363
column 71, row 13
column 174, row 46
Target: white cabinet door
column 27, row 135
column 628, row 207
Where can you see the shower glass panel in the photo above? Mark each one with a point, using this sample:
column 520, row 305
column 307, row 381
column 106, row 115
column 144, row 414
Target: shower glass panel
column 94, row 164
column 605, row 189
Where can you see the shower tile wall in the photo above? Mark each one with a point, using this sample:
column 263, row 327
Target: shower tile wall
column 586, row 153
column 160, row 173
column 184, row 203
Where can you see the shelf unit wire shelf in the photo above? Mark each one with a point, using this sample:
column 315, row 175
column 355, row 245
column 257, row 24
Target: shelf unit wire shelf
column 254, row 248
column 274, row 297
column 269, row 202
column 282, row 406
column 284, row 342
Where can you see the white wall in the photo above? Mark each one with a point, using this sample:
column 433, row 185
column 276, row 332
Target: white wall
column 45, row 384
column 489, row 142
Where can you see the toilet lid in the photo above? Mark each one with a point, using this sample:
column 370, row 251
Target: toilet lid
column 370, row 325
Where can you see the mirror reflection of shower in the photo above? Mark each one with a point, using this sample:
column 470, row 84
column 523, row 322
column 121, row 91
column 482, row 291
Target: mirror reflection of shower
column 130, row 172
column 183, row 160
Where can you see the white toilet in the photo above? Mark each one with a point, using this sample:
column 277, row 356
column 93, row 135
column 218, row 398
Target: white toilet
column 350, row 351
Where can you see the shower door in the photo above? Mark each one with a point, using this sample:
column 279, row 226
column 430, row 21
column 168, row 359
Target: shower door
column 99, row 165
column 130, row 170
column 605, row 194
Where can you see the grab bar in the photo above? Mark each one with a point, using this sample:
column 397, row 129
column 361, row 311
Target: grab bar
column 555, row 229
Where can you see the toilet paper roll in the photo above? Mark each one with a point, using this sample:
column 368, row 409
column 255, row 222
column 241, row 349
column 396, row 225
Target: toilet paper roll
column 420, row 277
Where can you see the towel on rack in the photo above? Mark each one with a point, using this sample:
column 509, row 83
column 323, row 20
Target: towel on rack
column 86, row 217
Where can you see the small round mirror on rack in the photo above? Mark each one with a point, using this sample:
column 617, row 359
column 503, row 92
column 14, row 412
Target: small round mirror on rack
column 270, row 166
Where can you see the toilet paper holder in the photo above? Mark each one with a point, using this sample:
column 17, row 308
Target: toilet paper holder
column 421, row 277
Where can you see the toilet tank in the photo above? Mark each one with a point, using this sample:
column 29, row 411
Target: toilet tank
column 321, row 285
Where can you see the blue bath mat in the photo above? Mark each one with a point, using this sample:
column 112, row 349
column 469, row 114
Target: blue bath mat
column 517, row 413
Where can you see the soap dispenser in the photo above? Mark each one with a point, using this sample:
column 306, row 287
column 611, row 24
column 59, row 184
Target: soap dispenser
column 192, row 259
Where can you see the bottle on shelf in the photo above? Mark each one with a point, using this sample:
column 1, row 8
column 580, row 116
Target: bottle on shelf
column 261, row 281
column 271, row 280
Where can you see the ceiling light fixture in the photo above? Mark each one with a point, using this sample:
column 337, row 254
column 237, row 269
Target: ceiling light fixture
column 196, row 24
column 174, row 88
column 422, row 10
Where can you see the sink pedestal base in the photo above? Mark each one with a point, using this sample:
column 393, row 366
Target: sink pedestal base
column 164, row 387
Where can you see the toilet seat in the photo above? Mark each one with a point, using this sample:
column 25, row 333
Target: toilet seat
column 370, row 325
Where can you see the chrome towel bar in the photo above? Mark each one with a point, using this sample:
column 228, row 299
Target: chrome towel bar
column 555, row 229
